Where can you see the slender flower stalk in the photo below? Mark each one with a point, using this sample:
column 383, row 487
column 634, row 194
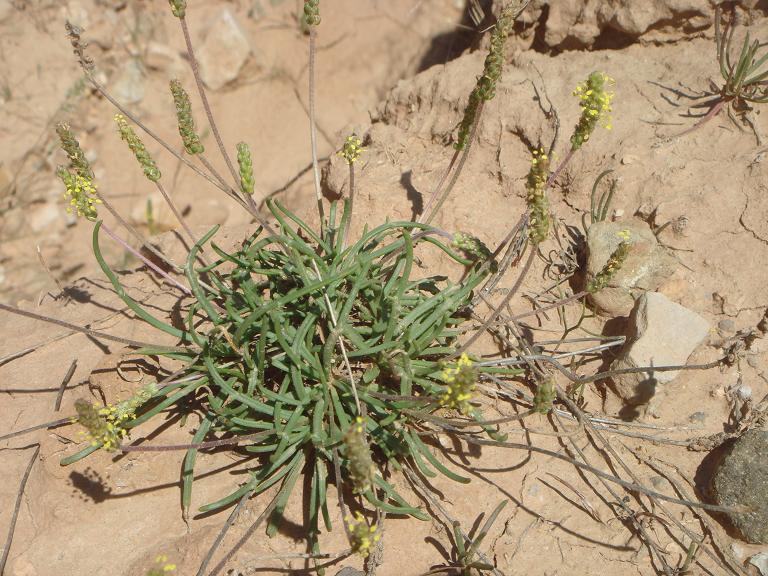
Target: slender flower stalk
column 484, row 91
column 312, row 20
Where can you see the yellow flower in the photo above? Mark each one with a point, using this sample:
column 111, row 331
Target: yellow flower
column 81, row 193
column 595, row 104
column 361, row 536
column 352, row 149
column 460, row 383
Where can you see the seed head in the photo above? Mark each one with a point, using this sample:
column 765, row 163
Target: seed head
column 77, row 160
column 538, row 204
column 614, row 264
column 595, row 102
column 471, row 246
column 311, row 12
column 186, row 123
column 485, row 89
column 81, row 193
column 178, row 7
column 127, row 133
column 163, row 567
column 459, row 385
column 361, row 536
column 79, row 45
column 545, row 395
column 245, row 162
column 361, row 467
column 352, row 149
column 106, row 426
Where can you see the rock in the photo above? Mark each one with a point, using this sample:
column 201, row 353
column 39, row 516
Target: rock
column 129, row 86
column 741, row 480
column 698, row 417
column 583, row 23
column 760, row 561
column 163, row 58
column 224, row 51
column 661, row 333
column 647, row 265
column 348, row 571
column 6, row 9
column 726, row 326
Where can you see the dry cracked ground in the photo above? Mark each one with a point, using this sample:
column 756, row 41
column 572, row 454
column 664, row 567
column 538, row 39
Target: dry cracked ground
column 398, row 72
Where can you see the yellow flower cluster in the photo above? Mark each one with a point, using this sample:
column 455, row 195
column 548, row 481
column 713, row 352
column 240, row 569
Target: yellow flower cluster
column 164, row 567
column 460, row 383
column 614, row 264
column 352, row 149
column 81, row 193
column 106, row 426
column 538, row 205
column 361, row 536
column 595, row 106
column 361, row 467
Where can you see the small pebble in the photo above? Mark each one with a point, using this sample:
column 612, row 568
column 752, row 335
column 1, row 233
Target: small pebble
column 726, row 326
column 698, row 417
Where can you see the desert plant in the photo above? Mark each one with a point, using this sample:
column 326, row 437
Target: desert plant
column 745, row 77
column 320, row 356
column 326, row 359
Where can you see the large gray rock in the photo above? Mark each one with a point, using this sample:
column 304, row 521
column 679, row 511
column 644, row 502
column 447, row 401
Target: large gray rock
column 741, row 480
column 647, row 265
column 224, row 52
column 661, row 333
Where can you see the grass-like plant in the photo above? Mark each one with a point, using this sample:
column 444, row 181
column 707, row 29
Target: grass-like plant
column 744, row 74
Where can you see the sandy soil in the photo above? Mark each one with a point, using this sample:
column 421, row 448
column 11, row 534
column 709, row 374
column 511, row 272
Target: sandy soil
column 114, row 515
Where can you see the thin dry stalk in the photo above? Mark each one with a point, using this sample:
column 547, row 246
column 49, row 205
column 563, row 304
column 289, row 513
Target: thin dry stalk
column 17, row 507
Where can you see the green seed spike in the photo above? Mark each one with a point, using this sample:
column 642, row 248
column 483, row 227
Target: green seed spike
column 178, row 7
column 246, row 168
column 75, row 153
column 545, row 395
column 614, row 264
column 151, row 170
column 472, row 246
column 595, row 106
column 311, row 12
column 538, row 204
column 190, row 138
column 485, row 89
column 361, row 467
